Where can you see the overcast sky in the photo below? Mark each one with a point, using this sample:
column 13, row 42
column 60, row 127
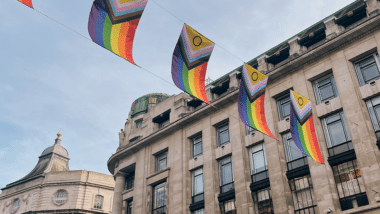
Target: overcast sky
column 52, row 79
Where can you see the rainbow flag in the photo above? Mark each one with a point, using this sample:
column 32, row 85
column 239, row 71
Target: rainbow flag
column 251, row 99
column 189, row 64
column 27, row 3
column 112, row 24
column 302, row 127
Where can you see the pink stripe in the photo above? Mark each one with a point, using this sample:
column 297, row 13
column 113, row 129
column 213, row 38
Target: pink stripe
column 257, row 85
column 120, row 8
column 194, row 54
column 304, row 109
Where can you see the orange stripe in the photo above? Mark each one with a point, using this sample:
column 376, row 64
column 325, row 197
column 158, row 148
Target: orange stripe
column 123, row 39
column 315, row 141
column 196, row 82
column 202, row 84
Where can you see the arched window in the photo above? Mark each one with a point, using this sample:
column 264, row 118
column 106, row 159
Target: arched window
column 60, row 196
column 98, row 202
column 16, row 204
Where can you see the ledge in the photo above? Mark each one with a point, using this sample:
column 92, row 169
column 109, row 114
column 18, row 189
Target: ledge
column 259, row 185
column 226, row 196
column 341, row 158
column 362, row 209
column 196, row 206
column 158, row 176
column 298, row 172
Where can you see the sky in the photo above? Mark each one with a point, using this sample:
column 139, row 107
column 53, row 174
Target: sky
column 53, row 79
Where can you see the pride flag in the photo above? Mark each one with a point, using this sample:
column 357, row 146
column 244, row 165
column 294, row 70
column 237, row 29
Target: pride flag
column 302, row 127
column 27, row 3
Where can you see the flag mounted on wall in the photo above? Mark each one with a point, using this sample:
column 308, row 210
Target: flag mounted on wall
column 302, row 127
column 251, row 99
column 189, row 63
column 112, row 24
column 27, row 3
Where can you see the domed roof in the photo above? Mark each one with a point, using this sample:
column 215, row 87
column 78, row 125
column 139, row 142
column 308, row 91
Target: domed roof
column 57, row 149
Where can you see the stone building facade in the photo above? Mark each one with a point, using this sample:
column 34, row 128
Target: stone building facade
column 52, row 188
column 183, row 156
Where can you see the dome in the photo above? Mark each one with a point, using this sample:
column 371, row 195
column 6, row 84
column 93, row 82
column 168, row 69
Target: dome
column 142, row 104
column 57, row 149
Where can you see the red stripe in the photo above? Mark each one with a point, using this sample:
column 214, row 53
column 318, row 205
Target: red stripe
column 129, row 40
column 314, row 141
column 261, row 113
column 201, row 83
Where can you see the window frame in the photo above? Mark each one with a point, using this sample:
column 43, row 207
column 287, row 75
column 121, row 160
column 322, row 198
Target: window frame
column 129, row 207
column 196, row 141
column 342, row 147
column 255, row 150
column 359, row 72
column 221, row 129
column 221, row 173
column 155, row 191
column 138, row 123
column 290, row 161
column 161, row 156
column 249, row 130
column 299, row 192
column 260, row 204
column 280, row 101
column 375, row 119
column 97, row 204
column 199, row 211
column 194, row 175
column 224, row 204
column 129, row 181
column 317, row 91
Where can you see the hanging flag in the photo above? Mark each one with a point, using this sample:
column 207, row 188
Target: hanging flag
column 302, row 127
column 27, row 3
column 112, row 24
column 251, row 99
column 189, row 64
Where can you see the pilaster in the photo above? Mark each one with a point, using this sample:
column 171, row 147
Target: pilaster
column 117, row 205
column 332, row 29
column 373, row 7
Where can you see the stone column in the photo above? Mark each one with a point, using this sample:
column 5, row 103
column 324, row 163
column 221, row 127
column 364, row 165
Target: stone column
column 233, row 79
column 332, row 29
column 295, row 48
column 263, row 65
column 373, row 7
column 117, row 205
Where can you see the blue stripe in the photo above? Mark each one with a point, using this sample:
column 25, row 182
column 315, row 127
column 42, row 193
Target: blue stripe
column 100, row 26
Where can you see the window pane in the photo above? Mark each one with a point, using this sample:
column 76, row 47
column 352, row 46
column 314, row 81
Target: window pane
column 197, row 149
column 337, row 133
column 294, row 151
column 333, row 118
column 224, row 137
column 159, row 196
column 258, row 162
column 326, row 92
column 285, row 110
column 369, row 73
column 367, row 62
column 227, row 174
column 198, row 184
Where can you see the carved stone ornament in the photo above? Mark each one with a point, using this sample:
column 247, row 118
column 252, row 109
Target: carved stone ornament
column 59, row 201
column 278, row 53
column 350, row 13
column 11, row 207
column 311, row 35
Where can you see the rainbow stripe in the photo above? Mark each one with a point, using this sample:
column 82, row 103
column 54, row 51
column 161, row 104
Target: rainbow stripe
column 189, row 63
column 27, row 3
column 117, row 38
column 253, row 114
column 302, row 127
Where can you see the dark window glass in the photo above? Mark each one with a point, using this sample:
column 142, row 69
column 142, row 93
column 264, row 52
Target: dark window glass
column 368, row 69
column 303, row 195
column 373, row 106
column 198, row 190
column 325, row 89
column 350, row 185
column 130, row 180
column 159, row 199
column 263, row 201
column 227, row 206
column 223, row 134
column 161, row 161
column 129, row 207
column 138, row 123
column 196, row 146
column 283, row 105
column 226, row 175
column 200, row 211
column 337, row 135
column 258, row 161
column 294, row 157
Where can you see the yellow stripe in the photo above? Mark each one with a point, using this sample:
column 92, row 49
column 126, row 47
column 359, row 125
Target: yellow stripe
column 254, row 117
column 307, row 141
column 191, row 82
column 115, row 38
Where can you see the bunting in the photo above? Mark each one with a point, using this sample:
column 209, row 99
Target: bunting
column 302, row 127
column 27, row 3
column 189, row 64
column 251, row 99
column 112, row 24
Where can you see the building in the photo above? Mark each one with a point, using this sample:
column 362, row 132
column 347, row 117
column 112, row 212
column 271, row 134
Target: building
column 52, row 188
column 180, row 155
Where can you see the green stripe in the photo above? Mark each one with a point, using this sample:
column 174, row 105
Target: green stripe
column 249, row 112
column 302, row 138
column 185, row 77
column 107, row 33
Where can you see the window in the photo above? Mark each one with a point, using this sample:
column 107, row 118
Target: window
column 130, row 181
column 200, row 211
column 258, row 161
column 263, row 201
column 226, row 175
column 16, row 205
column 325, row 89
column 283, row 105
column 161, row 161
column 294, row 157
column 60, row 196
column 349, row 183
column 223, row 134
column 159, row 199
column 196, row 146
column 163, row 124
column 197, row 183
column 227, row 206
column 249, row 130
column 98, row 202
column 138, row 123
column 129, row 207
column 368, row 69
column 373, row 106
column 336, row 133
column 303, row 195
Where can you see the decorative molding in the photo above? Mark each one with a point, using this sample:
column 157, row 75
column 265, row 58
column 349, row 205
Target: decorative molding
column 55, row 193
